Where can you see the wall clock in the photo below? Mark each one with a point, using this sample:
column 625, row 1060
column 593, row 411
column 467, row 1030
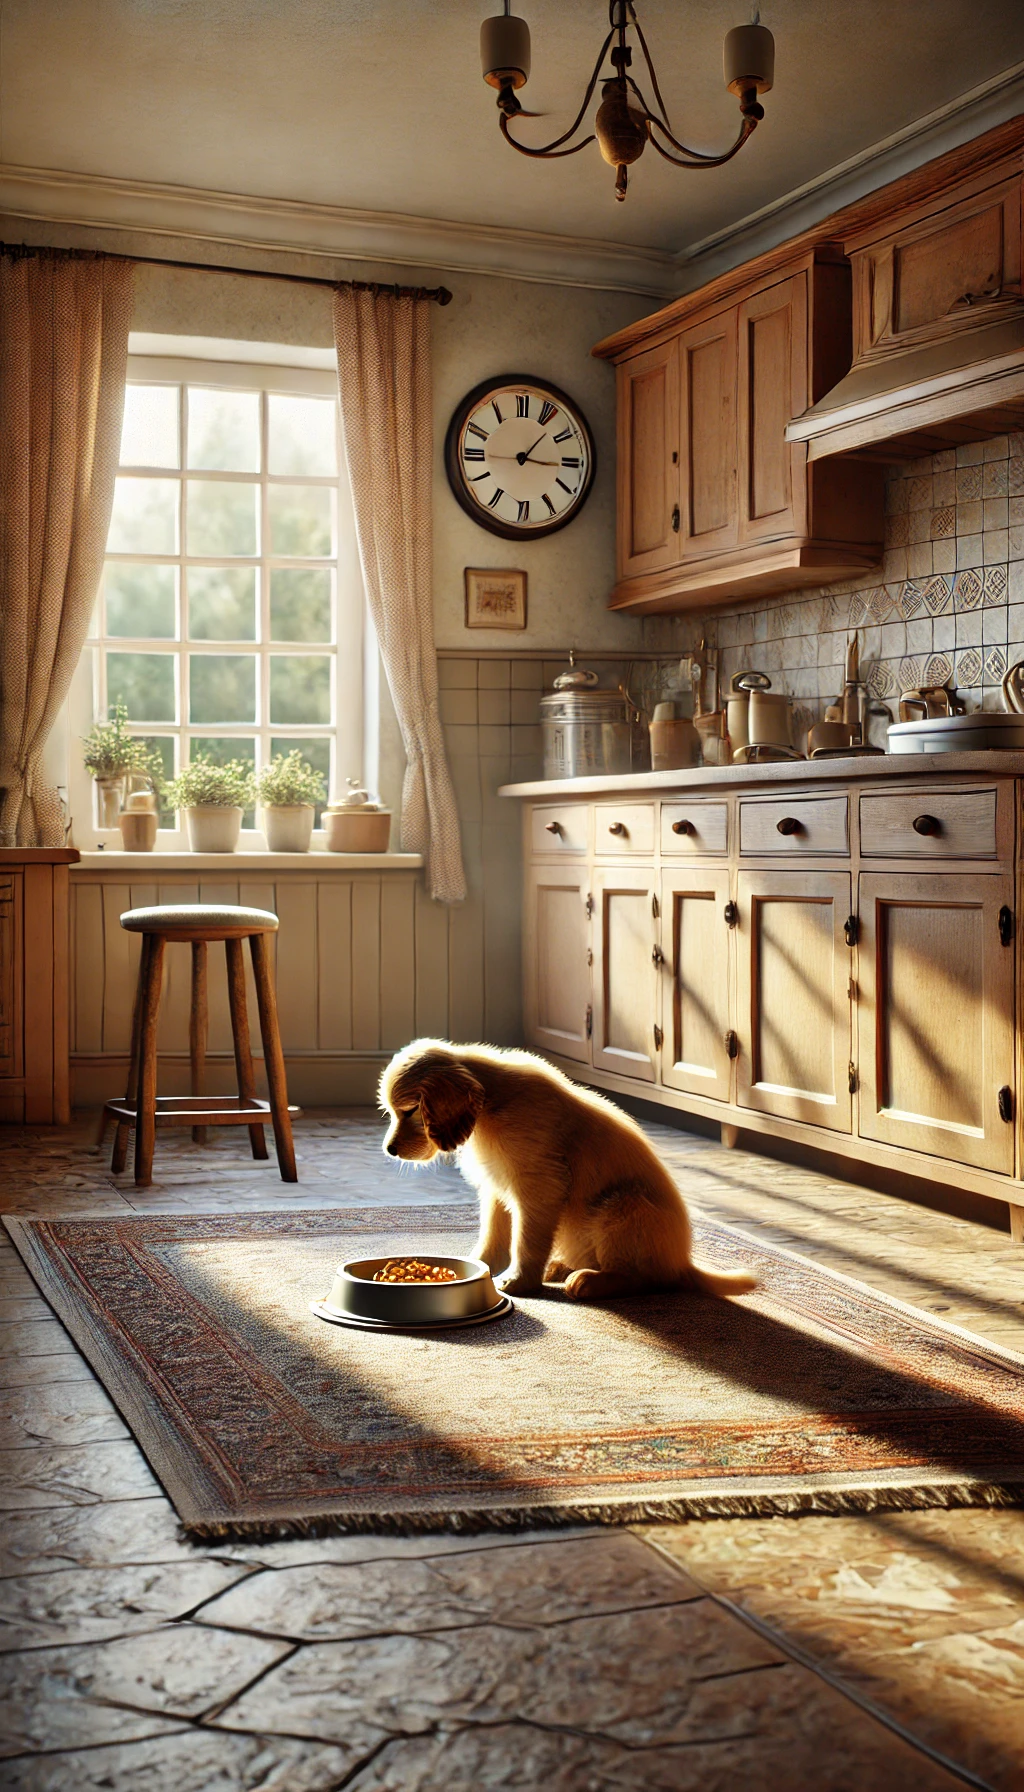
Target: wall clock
column 520, row 457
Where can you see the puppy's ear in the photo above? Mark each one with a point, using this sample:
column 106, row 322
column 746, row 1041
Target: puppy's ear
column 451, row 1099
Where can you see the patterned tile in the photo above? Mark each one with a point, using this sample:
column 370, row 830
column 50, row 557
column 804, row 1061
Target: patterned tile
column 969, row 667
column 995, row 665
column 967, row 591
column 860, row 613
column 909, row 674
column 995, row 481
column 835, row 611
column 1015, row 480
column 896, row 495
column 880, row 604
column 938, row 669
column 910, row 601
column 943, row 523
column 994, row 581
column 969, row 482
column 919, row 496
column 938, row 594
column 897, row 530
column 880, row 680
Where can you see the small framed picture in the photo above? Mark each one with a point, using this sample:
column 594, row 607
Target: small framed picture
column 495, row 597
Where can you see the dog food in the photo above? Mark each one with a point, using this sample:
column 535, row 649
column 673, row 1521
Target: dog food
column 409, row 1269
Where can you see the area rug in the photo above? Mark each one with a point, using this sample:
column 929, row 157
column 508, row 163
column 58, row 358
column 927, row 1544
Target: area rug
column 813, row 1394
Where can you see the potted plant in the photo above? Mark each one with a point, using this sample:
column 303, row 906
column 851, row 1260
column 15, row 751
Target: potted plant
column 214, row 798
column 110, row 754
column 288, row 790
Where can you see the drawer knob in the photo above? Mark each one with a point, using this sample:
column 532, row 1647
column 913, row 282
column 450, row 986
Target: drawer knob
column 683, row 827
column 790, row 825
column 554, row 827
column 927, row 824
column 657, row 955
column 617, row 827
column 730, row 914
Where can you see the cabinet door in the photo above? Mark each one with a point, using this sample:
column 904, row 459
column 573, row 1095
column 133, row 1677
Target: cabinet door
column 556, row 954
column 648, row 453
column 626, row 986
column 695, row 981
column 793, row 996
column 773, row 390
column 708, row 372
column 936, row 1015
column 10, row 974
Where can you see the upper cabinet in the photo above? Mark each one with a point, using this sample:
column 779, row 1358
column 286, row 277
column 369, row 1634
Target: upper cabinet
column 713, row 501
column 938, row 312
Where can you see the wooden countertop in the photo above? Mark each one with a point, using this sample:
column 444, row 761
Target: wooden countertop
column 910, row 767
column 38, row 855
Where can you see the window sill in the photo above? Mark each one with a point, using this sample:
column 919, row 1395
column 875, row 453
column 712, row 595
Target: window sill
column 317, row 864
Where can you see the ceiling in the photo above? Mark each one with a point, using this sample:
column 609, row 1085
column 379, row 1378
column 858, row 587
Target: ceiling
column 378, row 105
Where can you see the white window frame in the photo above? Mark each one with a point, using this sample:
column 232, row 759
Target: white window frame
column 346, row 649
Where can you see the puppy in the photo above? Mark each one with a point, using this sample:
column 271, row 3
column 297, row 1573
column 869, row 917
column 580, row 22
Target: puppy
column 570, row 1190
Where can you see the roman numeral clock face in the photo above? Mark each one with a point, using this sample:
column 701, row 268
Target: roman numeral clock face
column 520, row 457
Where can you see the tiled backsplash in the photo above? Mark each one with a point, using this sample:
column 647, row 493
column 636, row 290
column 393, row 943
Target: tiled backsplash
column 947, row 604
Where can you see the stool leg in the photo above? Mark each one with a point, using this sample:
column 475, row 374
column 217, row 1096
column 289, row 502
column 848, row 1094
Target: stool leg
column 145, row 1111
column 197, row 1029
column 240, row 1035
column 273, row 1058
column 120, row 1155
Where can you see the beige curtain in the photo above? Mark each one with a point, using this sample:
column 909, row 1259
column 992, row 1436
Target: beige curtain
column 63, row 347
column 383, row 344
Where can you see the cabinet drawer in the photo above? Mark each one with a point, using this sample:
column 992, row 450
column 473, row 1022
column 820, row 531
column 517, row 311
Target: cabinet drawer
column 795, row 824
column 694, row 827
column 624, row 827
column 561, row 829
column 929, row 824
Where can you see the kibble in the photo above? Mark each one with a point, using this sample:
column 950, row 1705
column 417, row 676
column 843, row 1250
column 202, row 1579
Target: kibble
column 410, row 1269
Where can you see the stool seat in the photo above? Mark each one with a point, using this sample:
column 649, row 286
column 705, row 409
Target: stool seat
column 199, row 920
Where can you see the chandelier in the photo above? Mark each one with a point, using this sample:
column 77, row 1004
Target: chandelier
column 625, row 122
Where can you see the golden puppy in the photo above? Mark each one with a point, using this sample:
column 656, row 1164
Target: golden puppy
column 570, row 1190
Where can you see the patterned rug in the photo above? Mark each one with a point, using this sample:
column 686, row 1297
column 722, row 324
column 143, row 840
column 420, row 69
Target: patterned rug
column 813, row 1394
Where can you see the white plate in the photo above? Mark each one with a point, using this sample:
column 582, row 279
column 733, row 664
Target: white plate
column 334, row 1317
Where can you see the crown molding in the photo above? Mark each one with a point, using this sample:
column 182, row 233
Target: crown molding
column 331, row 233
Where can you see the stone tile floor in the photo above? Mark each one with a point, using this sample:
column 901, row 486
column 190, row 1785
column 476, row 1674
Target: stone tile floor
column 882, row 1651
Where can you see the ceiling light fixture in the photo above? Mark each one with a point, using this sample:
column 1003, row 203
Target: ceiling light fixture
column 625, row 122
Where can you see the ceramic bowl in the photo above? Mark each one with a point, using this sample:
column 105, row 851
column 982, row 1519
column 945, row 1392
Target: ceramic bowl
column 356, row 1296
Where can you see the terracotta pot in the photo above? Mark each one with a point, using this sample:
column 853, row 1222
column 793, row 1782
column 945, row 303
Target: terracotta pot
column 357, row 830
column 288, row 826
column 213, row 827
column 138, row 829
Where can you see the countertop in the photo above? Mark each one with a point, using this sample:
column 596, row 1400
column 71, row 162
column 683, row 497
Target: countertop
column 912, row 768
column 249, row 864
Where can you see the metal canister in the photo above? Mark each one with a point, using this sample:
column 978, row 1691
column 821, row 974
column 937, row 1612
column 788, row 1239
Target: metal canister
column 588, row 731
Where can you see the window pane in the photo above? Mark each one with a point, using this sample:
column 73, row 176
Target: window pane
column 300, row 603
column 221, row 517
column 141, row 601
column 316, row 752
column 222, row 687
column 300, row 688
column 301, row 520
column 303, row 435
column 164, row 745
column 145, row 517
column 224, row 430
column 149, row 433
column 222, row 750
column 222, row 603
column 144, row 683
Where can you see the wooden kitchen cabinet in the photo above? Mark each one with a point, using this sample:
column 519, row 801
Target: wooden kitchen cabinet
column 648, row 456
column 556, row 959
column 695, row 981
column 34, row 996
column 626, row 970
column 793, row 996
column 935, row 1015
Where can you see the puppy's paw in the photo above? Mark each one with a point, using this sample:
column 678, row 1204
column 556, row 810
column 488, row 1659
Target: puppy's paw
column 582, row 1284
column 556, row 1272
column 515, row 1281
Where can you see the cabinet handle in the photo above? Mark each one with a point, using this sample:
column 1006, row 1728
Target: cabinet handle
column 730, row 914
column 732, row 1044
column 589, row 905
column 1005, row 1099
column 675, row 519
column 683, row 827
column 851, row 1077
column 657, row 955
column 851, row 928
column 659, row 1038
column 554, row 827
column 790, row 825
column 590, row 1020
column 927, row 824
column 617, row 827
column 1005, row 926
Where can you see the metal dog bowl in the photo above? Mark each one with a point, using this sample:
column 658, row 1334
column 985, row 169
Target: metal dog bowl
column 356, row 1299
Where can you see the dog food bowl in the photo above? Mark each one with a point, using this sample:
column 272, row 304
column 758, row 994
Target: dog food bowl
column 356, row 1299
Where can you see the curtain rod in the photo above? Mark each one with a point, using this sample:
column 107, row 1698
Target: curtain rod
column 439, row 294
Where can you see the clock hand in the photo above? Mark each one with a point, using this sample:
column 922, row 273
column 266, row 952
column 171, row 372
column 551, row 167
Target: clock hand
column 523, row 458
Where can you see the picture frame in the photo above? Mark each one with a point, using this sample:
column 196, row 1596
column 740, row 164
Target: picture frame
column 495, row 597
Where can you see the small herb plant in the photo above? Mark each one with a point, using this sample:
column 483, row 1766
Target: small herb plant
column 110, row 751
column 202, row 785
column 289, row 779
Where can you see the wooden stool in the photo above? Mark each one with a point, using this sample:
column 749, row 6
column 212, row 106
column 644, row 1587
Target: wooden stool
column 142, row 1107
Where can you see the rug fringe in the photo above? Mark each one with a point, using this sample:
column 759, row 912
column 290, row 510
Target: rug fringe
column 795, row 1503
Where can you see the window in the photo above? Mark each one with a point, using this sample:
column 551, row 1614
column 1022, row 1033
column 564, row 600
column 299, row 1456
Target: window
column 229, row 618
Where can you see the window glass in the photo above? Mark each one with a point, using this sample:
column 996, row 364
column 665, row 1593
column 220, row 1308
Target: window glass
column 303, row 435
column 144, row 519
column 300, row 603
column 149, row 432
column 300, row 688
column 142, row 601
column 145, row 684
column 223, row 430
column 222, row 518
column 222, row 603
column 222, row 687
column 301, row 521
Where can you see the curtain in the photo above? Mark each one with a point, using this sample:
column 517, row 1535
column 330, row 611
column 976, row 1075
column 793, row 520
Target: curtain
column 64, row 322
column 384, row 380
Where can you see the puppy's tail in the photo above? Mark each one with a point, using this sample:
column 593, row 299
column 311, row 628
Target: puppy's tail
column 719, row 1282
